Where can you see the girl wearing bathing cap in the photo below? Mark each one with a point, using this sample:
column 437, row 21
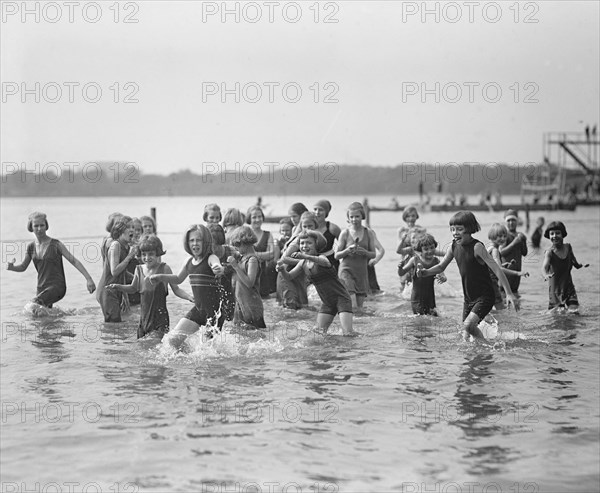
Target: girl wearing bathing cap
column 329, row 230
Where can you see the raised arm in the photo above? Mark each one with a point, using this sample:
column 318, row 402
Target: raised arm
column 403, row 268
column 22, row 266
column 171, row 278
column 343, row 249
column 546, row 266
column 177, row 291
column 436, row 269
column 91, row 286
column 495, row 253
column 114, row 253
column 507, row 249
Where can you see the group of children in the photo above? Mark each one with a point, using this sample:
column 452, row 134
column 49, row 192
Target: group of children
column 232, row 267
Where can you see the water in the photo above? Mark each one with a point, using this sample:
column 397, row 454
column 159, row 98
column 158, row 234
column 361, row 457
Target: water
column 405, row 407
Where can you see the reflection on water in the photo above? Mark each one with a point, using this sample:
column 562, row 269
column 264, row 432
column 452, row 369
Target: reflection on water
column 407, row 403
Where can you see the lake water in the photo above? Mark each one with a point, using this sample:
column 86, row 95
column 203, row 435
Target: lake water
column 405, row 407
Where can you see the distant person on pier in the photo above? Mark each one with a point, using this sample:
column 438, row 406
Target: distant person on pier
column 536, row 237
column 515, row 249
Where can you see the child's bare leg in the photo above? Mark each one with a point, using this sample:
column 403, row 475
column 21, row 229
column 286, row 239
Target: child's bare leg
column 324, row 321
column 346, row 322
column 360, row 301
column 470, row 327
column 176, row 337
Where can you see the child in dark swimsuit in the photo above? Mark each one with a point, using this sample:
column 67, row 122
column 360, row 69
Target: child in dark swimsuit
column 474, row 264
column 558, row 263
column 47, row 254
column 334, row 296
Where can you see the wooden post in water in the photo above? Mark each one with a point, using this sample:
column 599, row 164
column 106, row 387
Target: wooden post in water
column 153, row 215
column 367, row 212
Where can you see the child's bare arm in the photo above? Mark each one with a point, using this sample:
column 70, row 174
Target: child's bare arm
column 483, row 254
column 22, row 266
column 295, row 272
column 171, row 278
column 404, row 267
column 439, row 268
column 78, row 265
column 178, row 291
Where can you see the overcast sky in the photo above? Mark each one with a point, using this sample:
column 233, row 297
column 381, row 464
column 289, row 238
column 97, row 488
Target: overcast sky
column 372, row 65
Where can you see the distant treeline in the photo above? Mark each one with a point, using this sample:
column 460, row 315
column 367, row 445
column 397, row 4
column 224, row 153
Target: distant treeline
column 126, row 179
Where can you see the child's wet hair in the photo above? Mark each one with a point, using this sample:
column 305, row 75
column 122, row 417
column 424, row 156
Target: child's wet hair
column 496, row 230
column 111, row 220
column 356, row 206
column 243, row 235
column 205, row 237
column 32, row 217
column 318, row 238
column 288, row 221
column 467, row 220
column 151, row 243
column 151, row 220
column 218, row 233
column 254, row 208
column 119, row 226
column 310, row 216
column 411, row 209
column 423, row 240
column 233, row 217
column 208, row 208
column 555, row 225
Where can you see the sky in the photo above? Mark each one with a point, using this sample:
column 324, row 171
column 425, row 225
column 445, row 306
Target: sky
column 348, row 82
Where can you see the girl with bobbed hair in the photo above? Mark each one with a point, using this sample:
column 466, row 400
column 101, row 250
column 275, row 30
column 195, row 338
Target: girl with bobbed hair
column 266, row 250
column 356, row 246
column 47, row 254
column 203, row 267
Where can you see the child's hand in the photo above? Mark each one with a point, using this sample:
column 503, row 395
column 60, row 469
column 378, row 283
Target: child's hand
column 91, row 286
column 522, row 237
column 11, row 265
column 441, row 278
column 218, row 269
column 372, row 262
column 512, row 299
column 524, row 274
column 297, row 255
column 154, row 278
column 110, row 286
column 419, row 270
